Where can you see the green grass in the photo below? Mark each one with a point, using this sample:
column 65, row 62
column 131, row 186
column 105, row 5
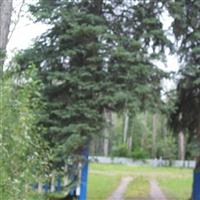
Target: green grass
column 138, row 189
column 176, row 188
column 105, row 178
column 141, row 170
column 36, row 196
column 175, row 182
column 101, row 186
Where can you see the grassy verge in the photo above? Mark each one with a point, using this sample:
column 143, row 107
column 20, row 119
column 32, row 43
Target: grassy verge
column 176, row 188
column 141, row 170
column 175, row 182
column 36, row 196
column 100, row 187
column 138, row 189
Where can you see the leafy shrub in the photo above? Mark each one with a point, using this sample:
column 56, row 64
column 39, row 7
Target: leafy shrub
column 192, row 149
column 120, row 151
column 167, row 148
column 139, row 153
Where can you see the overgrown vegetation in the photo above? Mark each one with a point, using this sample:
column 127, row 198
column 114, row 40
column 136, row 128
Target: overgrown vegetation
column 23, row 155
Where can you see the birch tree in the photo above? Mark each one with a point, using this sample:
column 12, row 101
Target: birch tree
column 5, row 21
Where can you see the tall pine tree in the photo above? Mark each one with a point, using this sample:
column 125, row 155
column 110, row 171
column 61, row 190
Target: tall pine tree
column 96, row 55
column 186, row 28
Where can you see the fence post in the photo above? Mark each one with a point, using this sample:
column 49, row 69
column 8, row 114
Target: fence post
column 46, row 187
column 59, row 186
column 84, row 176
column 196, row 186
column 52, row 188
column 39, row 187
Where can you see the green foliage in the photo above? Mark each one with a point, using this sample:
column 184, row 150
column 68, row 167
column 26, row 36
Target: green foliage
column 167, row 148
column 192, row 150
column 139, row 153
column 93, row 57
column 22, row 157
column 186, row 29
column 141, row 144
column 141, row 131
column 121, row 151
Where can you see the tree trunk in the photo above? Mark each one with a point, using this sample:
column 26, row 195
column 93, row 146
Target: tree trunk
column 198, row 126
column 197, row 167
column 195, row 191
column 126, row 124
column 154, row 135
column 130, row 143
column 98, row 6
column 5, row 20
column 181, row 144
column 198, row 138
column 93, row 147
column 108, row 119
column 165, row 132
column 52, row 188
column 106, row 142
column 143, row 138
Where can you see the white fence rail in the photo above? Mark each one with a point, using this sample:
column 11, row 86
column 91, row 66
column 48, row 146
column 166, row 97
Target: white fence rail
column 152, row 162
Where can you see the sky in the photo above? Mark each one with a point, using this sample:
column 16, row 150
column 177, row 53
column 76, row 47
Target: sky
column 26, row 31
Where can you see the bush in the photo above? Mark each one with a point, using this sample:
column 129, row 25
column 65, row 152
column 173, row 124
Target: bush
column 167, row 148
column 121, row 151
column 139, row 153
column 23, row 152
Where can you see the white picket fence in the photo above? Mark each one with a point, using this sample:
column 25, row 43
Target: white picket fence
column 151, row 162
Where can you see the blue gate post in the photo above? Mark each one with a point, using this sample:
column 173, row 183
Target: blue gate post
column 196, row 186
column 59, row 186
column 84, row 176
column 46, row 187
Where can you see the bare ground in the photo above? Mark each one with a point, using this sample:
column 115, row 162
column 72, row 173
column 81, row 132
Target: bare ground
column 155, row 191
column 118, row 193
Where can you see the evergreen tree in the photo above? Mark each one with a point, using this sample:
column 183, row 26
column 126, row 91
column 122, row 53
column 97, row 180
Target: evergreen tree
column 186, row 28
column 95, row 56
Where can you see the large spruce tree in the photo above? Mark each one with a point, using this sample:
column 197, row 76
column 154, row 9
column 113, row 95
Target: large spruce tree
column 186, row 28
column 96, row 55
